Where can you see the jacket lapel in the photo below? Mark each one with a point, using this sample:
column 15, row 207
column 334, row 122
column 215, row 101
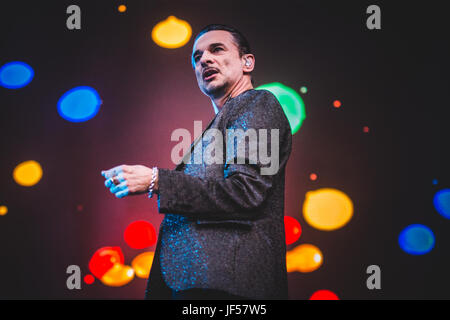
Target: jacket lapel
column 181, row 164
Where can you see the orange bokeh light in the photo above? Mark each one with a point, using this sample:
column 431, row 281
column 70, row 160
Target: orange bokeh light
column 304, row 258
column 119, row 275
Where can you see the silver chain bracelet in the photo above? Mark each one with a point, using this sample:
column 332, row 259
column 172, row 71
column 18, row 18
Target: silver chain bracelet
column 152, row 183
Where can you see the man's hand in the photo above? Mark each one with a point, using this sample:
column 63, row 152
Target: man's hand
column 127, row 180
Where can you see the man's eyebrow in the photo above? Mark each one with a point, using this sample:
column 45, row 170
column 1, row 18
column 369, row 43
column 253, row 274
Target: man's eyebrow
column 212, row 45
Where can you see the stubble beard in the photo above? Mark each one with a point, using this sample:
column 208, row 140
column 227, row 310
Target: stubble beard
column 215, row 90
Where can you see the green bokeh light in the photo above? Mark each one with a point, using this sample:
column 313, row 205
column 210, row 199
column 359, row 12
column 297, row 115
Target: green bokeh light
column 290, row 100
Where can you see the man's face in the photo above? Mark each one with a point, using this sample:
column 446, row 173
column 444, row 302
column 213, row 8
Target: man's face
column 216, row 62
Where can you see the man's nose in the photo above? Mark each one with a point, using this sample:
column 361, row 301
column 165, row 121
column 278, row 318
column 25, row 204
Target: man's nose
column 205, row 59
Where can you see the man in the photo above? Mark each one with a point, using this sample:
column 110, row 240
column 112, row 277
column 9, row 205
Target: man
column 223, row 231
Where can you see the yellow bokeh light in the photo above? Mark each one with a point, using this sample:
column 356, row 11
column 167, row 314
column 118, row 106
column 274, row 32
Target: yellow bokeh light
column 122, row 8
column 327, row 209
column 304, row 258
column 317, row 258
column 119, row 275
column 142, row 264
column 3, row 210
column 28, row 173
column 171, row 33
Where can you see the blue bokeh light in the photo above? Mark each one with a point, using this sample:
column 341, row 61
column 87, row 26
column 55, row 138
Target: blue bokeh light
column 441, row 202
column 15, row 75
column 79, row 104
column 416, row 239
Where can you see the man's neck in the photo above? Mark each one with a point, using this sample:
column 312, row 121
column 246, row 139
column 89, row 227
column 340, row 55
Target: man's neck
column 239, row 88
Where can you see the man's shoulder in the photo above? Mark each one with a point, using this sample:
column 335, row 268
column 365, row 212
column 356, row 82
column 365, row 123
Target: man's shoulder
column 263, row 95
column 255, row 100
column 258, row 105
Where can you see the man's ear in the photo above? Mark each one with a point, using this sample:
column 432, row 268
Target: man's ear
column 249, row 62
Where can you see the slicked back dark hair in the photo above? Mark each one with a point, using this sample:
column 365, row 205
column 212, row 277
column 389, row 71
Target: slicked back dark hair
column 239, row 39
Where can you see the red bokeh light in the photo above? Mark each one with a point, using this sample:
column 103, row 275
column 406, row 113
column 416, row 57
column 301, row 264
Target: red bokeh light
column 366, row 129
column 337, row 103
column 140, row 235
column 313, row 176
column 324, row 295
column 89, row 279
column 103, row 260
column 292, row 229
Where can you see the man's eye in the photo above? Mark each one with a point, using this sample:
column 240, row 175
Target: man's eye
column 215, row 49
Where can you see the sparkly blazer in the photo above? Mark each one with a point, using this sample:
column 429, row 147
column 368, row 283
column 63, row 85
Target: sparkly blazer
column 224, row 222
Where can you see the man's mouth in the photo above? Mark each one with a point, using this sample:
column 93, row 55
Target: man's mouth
column 209, row 73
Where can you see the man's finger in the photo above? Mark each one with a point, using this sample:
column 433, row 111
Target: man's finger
column 120, row 178
column 113, row 172
column 119, row 187
column 109, row 183
column 122, row 193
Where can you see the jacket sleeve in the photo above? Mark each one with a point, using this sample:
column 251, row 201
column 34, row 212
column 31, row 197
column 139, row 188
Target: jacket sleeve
column 243, row 189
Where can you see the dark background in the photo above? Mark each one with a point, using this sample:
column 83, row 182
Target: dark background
column 391, row 80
